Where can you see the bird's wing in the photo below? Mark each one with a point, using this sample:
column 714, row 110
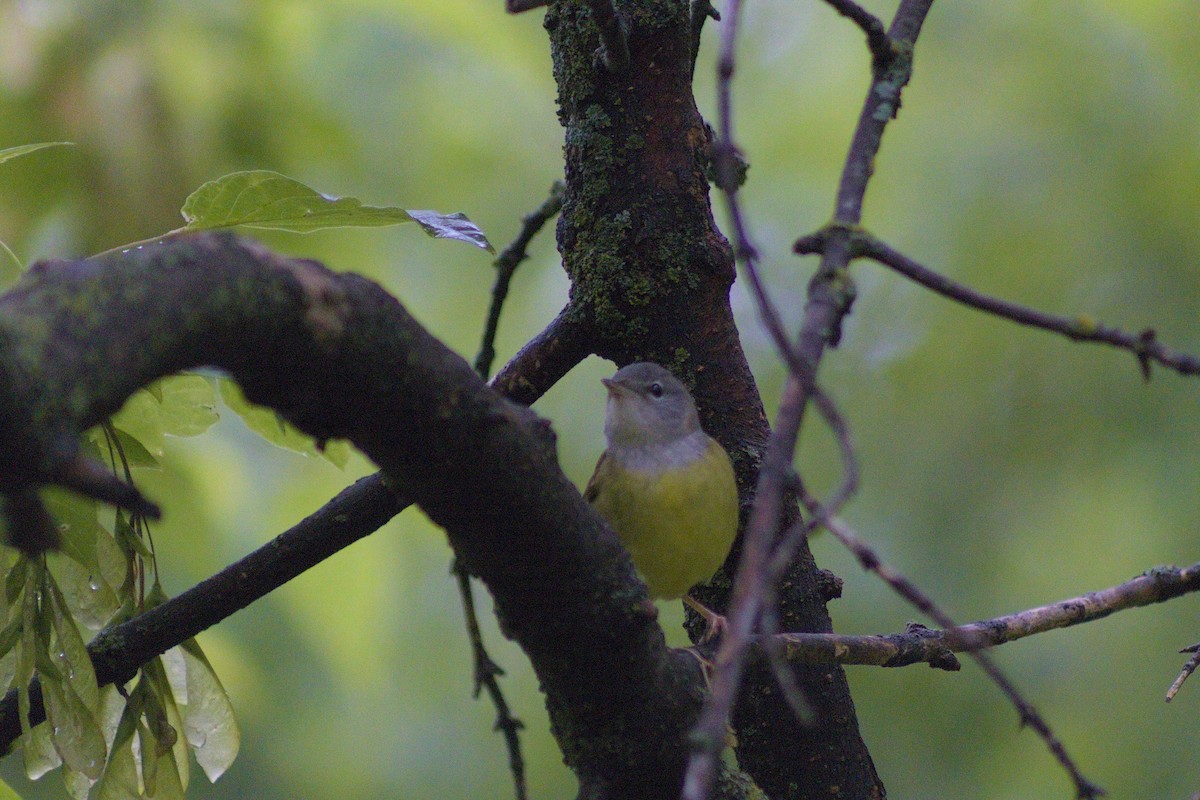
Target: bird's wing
column 593, row 489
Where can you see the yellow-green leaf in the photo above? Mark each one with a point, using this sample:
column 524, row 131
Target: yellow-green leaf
column 37, row 747
column 120, row 778
column 74, row 729
column 7, row 793
column 71, row 655
column 10, row 153
column 209, row 723
column 185, row 405
column 276, row 430
column 266, row 199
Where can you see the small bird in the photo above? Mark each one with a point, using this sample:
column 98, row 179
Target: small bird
column 664, row 485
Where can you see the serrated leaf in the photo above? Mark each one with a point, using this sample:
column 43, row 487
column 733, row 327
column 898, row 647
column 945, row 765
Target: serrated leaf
column 452, row 226
column 209, row 723
column 276, row 430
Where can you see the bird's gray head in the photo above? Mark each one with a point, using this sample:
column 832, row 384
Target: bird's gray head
column 647, row 406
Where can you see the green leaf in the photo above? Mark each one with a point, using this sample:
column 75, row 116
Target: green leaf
column 74, row 728
column 265, row 199
column 89, row 594
column 78, row 784
column 7, row 793
column 276, row 430
column 76, row 518
column 184, row 405
column 452, row 226
column 168, row 719
column 71, row 655
column 120, row 778
column 10, row 153
column 37, row 747
column 209, row 723
column 135, row 452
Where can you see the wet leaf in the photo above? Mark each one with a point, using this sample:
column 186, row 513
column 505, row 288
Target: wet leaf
column 209, row 722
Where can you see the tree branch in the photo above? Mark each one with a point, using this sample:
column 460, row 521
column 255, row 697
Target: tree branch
column 1145, row 345
column 295, row 336
column 829, row 299
column 922, row 645
column 117, row 652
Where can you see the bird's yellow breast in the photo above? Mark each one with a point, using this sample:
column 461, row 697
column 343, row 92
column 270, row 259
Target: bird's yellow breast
column 677, row 523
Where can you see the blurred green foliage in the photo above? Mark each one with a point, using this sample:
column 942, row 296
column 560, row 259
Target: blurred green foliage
column 1047, row 152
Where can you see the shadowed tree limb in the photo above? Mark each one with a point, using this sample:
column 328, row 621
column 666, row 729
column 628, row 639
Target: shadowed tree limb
column 294, row 336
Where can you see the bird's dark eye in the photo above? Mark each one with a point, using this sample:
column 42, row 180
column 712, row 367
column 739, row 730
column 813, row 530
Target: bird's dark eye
column 656, row 389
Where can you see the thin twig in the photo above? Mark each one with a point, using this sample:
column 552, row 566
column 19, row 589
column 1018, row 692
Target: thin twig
column 877, row 38
column 486, row 670
column 506, row 265
column 1144, row 345
column 905, row 588
column 1186, row 672
column 829, row 301
column 925, row 645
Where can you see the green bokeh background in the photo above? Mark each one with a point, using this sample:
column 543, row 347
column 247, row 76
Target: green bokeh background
column 1048, row 152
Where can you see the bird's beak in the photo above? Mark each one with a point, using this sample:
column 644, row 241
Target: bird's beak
column 615, row 388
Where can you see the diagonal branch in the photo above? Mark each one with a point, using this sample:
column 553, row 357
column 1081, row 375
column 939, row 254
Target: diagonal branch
column 1145, row 345
column 117, row 652
column 295, row 335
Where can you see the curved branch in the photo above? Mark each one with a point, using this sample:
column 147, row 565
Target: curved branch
column 339, row 357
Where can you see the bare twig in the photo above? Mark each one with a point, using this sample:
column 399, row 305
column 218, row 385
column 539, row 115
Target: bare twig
column 1143, row 345
column 506, row 264
column 877, row 38
column 829, row 300
column 545, row 358
column 905, row 588
column 1186, row 672
column 924, row 645
column 486, row 670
